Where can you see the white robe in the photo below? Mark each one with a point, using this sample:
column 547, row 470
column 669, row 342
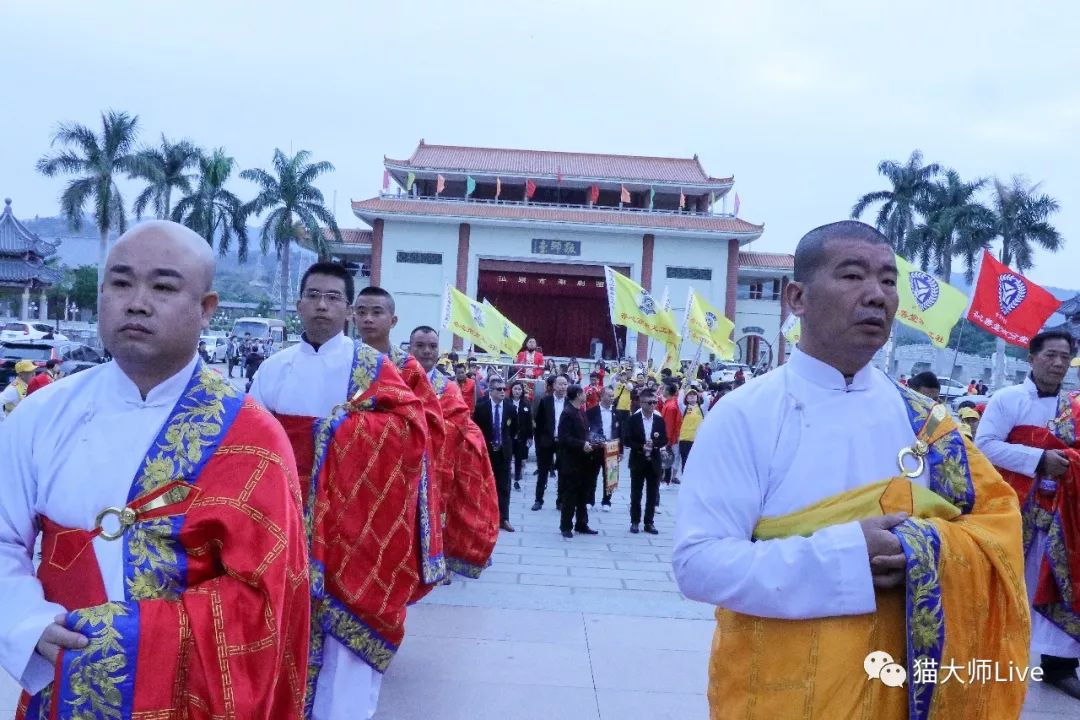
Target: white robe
column 302, row 381
column 783, row 441
column 73, row 449
column 1009, row 407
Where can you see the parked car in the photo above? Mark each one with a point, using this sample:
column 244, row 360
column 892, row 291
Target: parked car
column 15, row 331
column 73, row 357
column 951, row 389
column 215, row 345
column 725, row 372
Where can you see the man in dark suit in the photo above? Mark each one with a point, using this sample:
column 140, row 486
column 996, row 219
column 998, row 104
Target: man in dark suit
column 497, row 419
column 604, row 425
column 546, row 431
column 575, row 464
column 646, row 435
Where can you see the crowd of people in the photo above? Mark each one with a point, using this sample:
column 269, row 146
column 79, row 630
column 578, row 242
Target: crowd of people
column 255, row 555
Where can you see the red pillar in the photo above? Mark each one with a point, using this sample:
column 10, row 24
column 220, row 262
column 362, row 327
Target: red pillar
column 732, row 279
column 462, row 280
column 647, row 243
column 781, row 347
column 376, row 253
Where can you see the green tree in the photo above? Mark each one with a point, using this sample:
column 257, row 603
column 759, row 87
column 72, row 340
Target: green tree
column 211, row 210
column 84, row 287
column 296, row 207
column 911, row 183
column 96, row 160
column 1021, row 218
column 164, row 168
column 956, row 223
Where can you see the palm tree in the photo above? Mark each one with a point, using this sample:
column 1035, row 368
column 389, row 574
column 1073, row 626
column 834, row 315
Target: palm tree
column 956, row 224
column 911, row 184
column 296, row 207
column 1021, row 220
column 211, row 210
column 164, row 168
column 97, row 160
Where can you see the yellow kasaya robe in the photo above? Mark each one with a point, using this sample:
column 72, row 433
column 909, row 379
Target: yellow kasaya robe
column 964, row 601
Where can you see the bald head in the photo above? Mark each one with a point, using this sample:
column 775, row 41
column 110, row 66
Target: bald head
column 810, row 255
column 183, row 245
column 156, row 300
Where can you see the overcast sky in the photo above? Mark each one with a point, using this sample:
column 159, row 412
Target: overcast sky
column 799, row 101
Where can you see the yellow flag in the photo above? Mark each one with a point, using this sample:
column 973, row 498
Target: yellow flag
column 705, row 324
column 792, row 329
column 513, row 337
column 927, row 304
column 632, row 306
column 471, row 320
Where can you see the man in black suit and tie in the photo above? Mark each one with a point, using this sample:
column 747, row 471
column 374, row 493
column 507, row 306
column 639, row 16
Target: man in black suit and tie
column 546, row 431
column 646, row 435
column 497, row 419
column 575, row 465
column 604, row 425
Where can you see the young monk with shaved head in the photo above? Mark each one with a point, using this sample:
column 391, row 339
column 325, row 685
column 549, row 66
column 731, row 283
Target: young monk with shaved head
column 173, row 579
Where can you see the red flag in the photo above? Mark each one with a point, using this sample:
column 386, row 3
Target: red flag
column 594, row 194
column 498, row 187
column 624, row 196
column 440, row 184
column 558, row 176
column 385, row 179
column 530, row 189
column 1009, row 305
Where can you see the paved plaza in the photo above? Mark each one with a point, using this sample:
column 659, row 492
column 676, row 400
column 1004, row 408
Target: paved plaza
column 592, row 628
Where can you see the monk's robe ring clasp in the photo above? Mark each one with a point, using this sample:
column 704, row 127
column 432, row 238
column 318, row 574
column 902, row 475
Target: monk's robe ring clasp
column 125, row 517
column 918, row 452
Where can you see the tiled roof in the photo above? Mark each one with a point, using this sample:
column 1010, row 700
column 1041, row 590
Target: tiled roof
column 350, row 236
column 15, row 239
column 779, row 261
column 383, row 206
column 20, row 271
column 544, row 163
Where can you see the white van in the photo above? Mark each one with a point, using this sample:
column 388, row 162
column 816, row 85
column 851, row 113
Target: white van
column 261, row 329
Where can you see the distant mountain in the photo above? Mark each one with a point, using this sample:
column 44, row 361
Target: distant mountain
column 243, row 282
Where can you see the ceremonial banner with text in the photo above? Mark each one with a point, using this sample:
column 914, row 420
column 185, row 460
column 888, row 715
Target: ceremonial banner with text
column 632, row 306
column 471, row 320
column 1009, row 305
column 513, row 337
column 705, row 324
column 611, row 466
column 926, row 303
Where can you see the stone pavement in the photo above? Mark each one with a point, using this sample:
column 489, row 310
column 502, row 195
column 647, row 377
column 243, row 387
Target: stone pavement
column 592, row 628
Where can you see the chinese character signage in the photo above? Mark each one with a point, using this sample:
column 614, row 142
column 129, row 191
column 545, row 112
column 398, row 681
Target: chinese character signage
column 542, row 246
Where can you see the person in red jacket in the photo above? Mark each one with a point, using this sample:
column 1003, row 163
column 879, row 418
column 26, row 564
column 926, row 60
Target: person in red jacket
column 672, row 422
column 531, row 359
column 44, row 378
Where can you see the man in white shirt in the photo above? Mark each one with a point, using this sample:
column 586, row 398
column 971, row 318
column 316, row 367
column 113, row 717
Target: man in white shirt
column 546, row 432
column 805, row 595
column 302, row 385
column 604, row 423
column 1029, row 431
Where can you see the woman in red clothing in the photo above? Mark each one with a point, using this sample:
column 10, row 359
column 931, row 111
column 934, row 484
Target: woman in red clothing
column 531, row 359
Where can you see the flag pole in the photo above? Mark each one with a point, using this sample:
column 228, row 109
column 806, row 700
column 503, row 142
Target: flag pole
column 959, row 338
